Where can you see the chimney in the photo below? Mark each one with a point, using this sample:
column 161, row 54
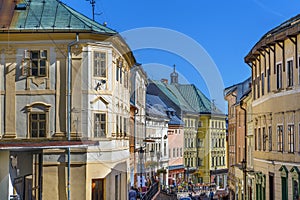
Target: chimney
column 6, row 12
column 164, row 80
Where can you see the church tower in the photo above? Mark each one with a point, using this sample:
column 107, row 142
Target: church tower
column 174, row 76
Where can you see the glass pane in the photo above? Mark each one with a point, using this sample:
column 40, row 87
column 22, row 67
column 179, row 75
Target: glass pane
column 103, row 56
column 42, row 116
column 42, row 72
column 34, row 133
column 42, row 125
column 96, row 55
column 42, row 133
column 44, row 54
column 34, row 116
column 34, row 126
column 34, row 54
column 43, row 63
column 103, row 117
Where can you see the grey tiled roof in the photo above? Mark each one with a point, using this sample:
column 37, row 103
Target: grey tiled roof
column 188, row 97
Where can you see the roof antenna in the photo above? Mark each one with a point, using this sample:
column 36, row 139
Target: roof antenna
column 93, row 2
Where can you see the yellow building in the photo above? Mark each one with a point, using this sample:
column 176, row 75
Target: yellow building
column 64, row 104
column 212, row 149
column 274, row 61
column 205, row 157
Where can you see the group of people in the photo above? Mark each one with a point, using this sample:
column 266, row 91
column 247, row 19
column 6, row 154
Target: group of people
column 134, row 193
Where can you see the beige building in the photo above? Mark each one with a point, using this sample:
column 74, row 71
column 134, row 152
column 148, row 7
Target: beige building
column 236, row 97
column 274, row 61
column 64, row 104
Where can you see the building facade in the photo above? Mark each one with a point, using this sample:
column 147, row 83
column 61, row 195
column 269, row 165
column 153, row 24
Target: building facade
column 237, row 118
column 274, row 62
column 138, row 86
column 64, row 122
column 199, row 115
column 157, row 139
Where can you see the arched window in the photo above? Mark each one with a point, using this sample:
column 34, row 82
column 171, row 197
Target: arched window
column 38, row 120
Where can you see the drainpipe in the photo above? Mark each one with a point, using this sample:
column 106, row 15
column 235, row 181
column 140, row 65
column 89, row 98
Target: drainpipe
column 69, row 108
column 245, row 151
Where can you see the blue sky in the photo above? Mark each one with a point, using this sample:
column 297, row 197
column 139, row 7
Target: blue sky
column 226, row 30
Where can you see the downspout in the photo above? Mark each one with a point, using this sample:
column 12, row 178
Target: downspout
column 245, row 151
column 69, row 74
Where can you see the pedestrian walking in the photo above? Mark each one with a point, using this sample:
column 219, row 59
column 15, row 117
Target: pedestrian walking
column 132, row 194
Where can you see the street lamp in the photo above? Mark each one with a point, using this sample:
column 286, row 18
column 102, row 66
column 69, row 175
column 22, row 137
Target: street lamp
column 141, row 156
column 152, row 156
column 215, row 175
column 187, row 172
column 158, row 159
column 244, row 166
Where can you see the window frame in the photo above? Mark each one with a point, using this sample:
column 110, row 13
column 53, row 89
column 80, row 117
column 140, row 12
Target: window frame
column 280, row 138
column 289, row 73
column 28, row 60
column 95, row 72
column 38, row 121
column 279, row 75
column 291, row 138
column 94, row 125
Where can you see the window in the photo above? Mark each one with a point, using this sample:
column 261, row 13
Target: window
column 121, row 126
column 38, row 124
column 270, row 138
column 255, row 136
column 299, row 136
column 291, row 138
column 165, row 149
column 177, row 152
column 126, row 79
column 199, row 162
column 180, row 151
column 117, row 125
column 35, row 63
column 99, row 125
column 258, row 86
column 174, row 152
column 212, row 161
column 259, row 140
column 298, row 70
column 200, row 124
column 98, row 189
column 264, row 138
column 117, row 187
column 262, row 84
column 268, row 80
column 125, row 127
column 254, row 88
column 99, row 64
column 279, row 76
column 280, row 138
column 290, row 81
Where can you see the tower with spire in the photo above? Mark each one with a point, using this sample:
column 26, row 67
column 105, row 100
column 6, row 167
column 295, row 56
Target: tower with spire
column 174, row 76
